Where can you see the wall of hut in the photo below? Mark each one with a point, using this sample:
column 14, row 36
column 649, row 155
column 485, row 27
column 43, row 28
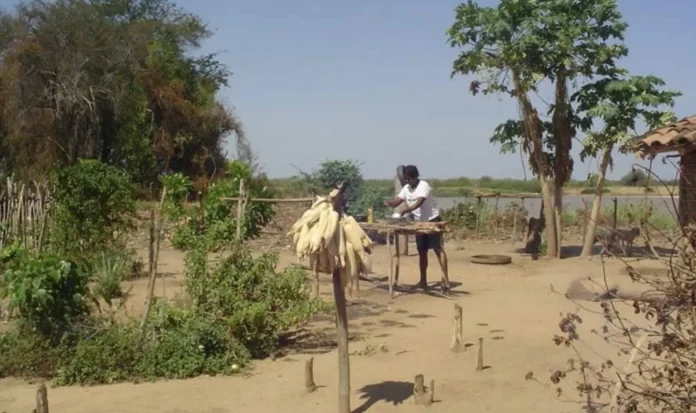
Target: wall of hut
column 687, row 189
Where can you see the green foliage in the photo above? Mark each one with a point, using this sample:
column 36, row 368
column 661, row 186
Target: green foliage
column 517, row 45
column 372, row 196
column 618, row 102
column 468, row 214
column 49, row 294
column 110, row 271
column 93, row 200
column 332, row 173
column 188, row 344
column 154, row 109
column 177, row 186
column 258, row 304
column 220, row 215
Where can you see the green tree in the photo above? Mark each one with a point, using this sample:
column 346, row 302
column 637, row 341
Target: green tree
column 520, row 45
column 331, row 173
column 618, row 102
column 143, row 101
column 93, row 202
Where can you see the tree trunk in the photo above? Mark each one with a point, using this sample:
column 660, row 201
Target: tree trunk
column 551, row 238
column 558, row 214
column 591, row 227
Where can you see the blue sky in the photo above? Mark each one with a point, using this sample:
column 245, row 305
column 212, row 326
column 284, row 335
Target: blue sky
column 370, row 80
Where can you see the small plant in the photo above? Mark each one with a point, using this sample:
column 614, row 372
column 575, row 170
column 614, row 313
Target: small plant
column 177, row 186
column 109, row 272
column 50, row 294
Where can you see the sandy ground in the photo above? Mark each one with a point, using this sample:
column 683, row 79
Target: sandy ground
column 515, row 308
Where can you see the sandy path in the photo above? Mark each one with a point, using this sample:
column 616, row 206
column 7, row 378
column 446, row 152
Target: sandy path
column 512, row 307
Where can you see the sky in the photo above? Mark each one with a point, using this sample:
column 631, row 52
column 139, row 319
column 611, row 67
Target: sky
column 369, row 80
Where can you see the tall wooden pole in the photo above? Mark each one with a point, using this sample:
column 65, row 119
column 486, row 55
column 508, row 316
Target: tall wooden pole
column 341, row 326
column 403, row 238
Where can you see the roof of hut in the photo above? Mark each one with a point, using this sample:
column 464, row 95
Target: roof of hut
column 671, row 137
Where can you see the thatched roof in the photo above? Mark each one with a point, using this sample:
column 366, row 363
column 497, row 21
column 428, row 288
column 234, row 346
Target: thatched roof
column 676, row 136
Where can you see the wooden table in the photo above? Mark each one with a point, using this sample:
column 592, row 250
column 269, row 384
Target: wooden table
column 409, row 228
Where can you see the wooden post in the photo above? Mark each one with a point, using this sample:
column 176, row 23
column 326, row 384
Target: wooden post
column 479, row 355
column 457, row 344
column 391, row 263
column 421, row 395
column 397, row 261
column 341, row 326
column 310, row 386
column 616, row 215
column 151, row 249
column 240, row 213
column 495, row 220
column 42, row 399
column 153, row 269
column 514, row 222
column 403, row 238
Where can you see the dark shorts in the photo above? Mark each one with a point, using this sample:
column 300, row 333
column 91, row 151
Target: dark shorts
column 427, row 242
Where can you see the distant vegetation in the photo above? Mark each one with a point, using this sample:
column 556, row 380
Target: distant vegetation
column 457, row 187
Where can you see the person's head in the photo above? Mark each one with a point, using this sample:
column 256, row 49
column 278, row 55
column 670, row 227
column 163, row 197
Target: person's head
column 411, row 175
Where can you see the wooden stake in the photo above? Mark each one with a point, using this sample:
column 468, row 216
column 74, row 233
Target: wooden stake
column 240, row 212
column 479, row 355
column 421, row 395
column 151, row 249
column 309, row 384
column 457, row 344
column 153, row 269
column 42, row 399
column 341, row 327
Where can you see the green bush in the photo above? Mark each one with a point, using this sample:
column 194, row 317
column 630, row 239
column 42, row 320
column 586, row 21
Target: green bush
column 177, row 186
column 92, row 201
column 258, row 304
column 371, row 196
column 187, row 344
column 332, row 173
column 48, row 293
column 220, row 216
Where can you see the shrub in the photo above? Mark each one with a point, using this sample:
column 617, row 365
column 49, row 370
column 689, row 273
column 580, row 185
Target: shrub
column 93, row 200
column 188, row 344
column 178, row 187
column 221, row 225
column 258, row 304
column 50, row 294
column 372, row 196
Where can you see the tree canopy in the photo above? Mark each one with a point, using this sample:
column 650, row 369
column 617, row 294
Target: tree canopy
column 113, row 80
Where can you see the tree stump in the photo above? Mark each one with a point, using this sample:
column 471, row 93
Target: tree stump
column 41, row 399
column 423, row 396
column 457, row 344
column 310, row 386
column 479, row 355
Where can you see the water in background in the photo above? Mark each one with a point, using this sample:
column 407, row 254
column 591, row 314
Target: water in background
column 571, row 202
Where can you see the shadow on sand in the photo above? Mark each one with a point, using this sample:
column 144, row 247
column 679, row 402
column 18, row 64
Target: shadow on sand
column 395, row 392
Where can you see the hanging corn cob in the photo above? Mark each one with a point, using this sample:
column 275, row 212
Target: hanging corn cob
column 329, row 240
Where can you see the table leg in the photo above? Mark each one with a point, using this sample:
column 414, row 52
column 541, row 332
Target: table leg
column 397, row 261
column 391, row 265
column 442, row 258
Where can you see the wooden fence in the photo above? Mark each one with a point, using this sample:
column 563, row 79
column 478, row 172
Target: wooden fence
column 24, row 213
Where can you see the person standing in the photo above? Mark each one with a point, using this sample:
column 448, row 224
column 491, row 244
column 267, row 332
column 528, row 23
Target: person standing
column 420, row 204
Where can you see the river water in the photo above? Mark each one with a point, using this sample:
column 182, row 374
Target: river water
column 571, row 202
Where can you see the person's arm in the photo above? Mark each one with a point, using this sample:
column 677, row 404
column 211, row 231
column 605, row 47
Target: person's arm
column 393, row 203
column 422, row 193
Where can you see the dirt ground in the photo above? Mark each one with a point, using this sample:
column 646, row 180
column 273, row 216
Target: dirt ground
column 515, row 308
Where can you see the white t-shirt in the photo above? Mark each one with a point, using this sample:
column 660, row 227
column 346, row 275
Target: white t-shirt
column 427, row 211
